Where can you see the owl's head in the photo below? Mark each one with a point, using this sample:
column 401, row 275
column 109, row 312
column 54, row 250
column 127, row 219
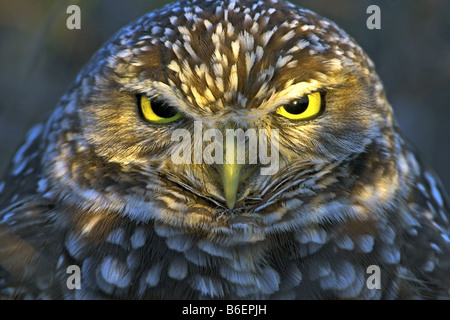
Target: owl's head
column 173, row 83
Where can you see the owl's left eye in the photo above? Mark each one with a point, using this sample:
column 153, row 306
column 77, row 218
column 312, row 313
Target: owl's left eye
column 155, row 111
column 302, row 109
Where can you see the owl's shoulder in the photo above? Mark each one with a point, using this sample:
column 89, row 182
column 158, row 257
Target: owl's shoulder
column 426, row 232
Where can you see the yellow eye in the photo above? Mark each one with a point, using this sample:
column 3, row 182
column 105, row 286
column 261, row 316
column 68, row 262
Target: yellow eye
column 302, row 109
column 155, row 111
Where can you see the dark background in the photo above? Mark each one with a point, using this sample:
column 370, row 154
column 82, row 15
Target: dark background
column 39, row 57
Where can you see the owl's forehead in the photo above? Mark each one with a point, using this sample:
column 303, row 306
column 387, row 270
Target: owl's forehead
column 215, row 54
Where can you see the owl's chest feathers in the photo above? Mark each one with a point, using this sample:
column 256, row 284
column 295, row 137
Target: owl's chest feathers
column 154, row 260
column 160, row 261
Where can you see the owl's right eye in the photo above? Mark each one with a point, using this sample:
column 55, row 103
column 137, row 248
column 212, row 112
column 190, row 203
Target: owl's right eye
column 155, row 111
column 305, row 108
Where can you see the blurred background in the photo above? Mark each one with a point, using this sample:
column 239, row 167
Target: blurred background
column 39, row 57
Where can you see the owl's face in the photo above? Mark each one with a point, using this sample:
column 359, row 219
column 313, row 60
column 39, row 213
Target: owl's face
column 226, row 65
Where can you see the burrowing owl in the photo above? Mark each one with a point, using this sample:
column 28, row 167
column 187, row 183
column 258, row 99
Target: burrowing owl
column 97, row 186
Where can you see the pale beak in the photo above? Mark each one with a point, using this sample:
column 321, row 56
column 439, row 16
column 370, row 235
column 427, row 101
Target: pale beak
column 231, row 175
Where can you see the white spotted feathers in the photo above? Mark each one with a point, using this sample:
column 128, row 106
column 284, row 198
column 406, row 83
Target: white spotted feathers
column 235, row 54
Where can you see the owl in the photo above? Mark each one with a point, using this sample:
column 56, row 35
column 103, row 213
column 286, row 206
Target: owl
column 136, row 182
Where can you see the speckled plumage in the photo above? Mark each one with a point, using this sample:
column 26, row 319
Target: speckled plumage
column 95, row 186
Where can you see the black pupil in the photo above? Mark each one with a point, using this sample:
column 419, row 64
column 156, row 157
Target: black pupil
column 297, row 106
column 163, row 110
